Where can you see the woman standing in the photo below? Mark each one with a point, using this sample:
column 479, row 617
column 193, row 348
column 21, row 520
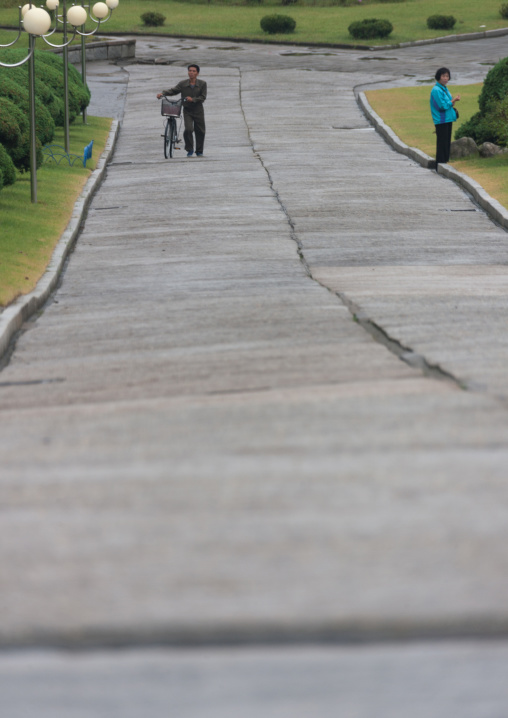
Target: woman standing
column 443, row 114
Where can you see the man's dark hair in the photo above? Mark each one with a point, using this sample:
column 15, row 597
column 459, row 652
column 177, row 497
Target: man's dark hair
column 196, row 66
column 441, row 71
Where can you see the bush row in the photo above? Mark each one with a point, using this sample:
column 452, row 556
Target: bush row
column 367, row 29
column 49, row 106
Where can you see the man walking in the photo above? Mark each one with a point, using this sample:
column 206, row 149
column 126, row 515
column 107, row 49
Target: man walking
column 193, row 93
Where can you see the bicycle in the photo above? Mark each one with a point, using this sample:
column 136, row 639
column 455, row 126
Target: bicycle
column 172, row 110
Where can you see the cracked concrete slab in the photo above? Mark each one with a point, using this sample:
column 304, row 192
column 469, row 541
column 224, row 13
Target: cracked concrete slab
column 199, row 444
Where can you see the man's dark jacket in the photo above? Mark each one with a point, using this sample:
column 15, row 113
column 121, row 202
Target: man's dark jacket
column 198, row 94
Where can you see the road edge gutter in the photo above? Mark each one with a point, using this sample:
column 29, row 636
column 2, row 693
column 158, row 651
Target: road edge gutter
column 13, row 316
column 491, row 206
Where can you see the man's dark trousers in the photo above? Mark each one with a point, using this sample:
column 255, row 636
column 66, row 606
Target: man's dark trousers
column 194, row 121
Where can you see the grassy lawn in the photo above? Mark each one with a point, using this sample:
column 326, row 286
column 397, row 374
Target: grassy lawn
column 406, row 110
column 318, row 21
column 30, row 232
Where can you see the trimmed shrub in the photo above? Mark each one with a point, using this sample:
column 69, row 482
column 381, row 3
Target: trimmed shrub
column 477, row 127
column 49, row 83
column 45, row 125
column 498, row 121
column 14, row 134
column 488, row 125
column 288, row 2
column 153, row 19
column 370, row 28
column 76, row 87
column 12, row 124
column 277, row 24
column 495, row 86
column 503, row 10
column 441, row 22
column 7, row 167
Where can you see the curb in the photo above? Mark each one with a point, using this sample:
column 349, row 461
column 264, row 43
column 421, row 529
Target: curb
column 13, row 316
column 484, row 35
column 491, row 206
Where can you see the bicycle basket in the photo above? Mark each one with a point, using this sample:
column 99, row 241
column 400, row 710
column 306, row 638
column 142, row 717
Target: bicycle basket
column 171, row 108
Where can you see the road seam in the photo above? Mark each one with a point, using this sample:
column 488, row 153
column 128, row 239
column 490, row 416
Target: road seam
column 380, row 335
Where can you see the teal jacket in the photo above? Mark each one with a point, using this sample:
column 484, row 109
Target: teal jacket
column 441, row 105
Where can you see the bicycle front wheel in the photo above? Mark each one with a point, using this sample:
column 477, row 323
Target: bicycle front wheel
column 172, row 135
column 168, row 134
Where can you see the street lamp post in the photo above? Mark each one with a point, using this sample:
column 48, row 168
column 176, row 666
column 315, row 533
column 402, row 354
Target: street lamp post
column 35, row 22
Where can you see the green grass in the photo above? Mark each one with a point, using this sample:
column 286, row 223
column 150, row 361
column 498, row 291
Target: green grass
column 30, row 232
column 406, row 110
column 317, row 21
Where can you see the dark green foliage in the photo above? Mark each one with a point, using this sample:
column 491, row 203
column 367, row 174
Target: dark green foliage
column 489, row 124
column 153, row 19
column 21, row 155
column 49, row 83
column 277, row 24
column 7, row 167
column 503, row 10
column 76, row 86
column 478, row 127
column 495, row 86
column 288, row 2
column 441, row 22
column 498, row 121
column 45, row 125
column 12, row 124
column 370, row 28
column 15, row 135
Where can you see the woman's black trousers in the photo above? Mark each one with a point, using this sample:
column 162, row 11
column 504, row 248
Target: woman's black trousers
column 444, row 139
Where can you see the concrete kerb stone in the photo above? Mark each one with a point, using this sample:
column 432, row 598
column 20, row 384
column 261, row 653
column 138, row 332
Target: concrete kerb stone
column 486, row 34
column 13, row 316
column 390, row 136
column 486, row 202
column 493, row 208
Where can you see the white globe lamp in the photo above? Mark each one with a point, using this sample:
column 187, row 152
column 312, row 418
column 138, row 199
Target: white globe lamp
column 37, row 21
column 76, row 15
column 100, row 10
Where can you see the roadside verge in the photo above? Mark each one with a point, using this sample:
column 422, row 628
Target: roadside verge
column 493, row 208
column 13, row 316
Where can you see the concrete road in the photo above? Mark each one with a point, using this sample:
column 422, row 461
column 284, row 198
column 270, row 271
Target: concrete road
column 267, row 405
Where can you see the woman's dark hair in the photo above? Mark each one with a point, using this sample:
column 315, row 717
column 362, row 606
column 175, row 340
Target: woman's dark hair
column 196, row 66
column 442, row 71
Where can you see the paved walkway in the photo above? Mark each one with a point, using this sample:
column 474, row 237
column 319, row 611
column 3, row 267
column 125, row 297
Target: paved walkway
column 204, row 440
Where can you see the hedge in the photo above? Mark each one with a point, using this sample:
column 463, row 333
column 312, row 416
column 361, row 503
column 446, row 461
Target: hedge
column 486, row 125
column 7, row 168
column 441, row 22
column 49, row 83
column 15, row 135
column 370, row 28
column 274, row 24
column 13, row 91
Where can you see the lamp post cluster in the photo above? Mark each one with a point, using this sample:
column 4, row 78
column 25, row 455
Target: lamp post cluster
column 36, row 21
